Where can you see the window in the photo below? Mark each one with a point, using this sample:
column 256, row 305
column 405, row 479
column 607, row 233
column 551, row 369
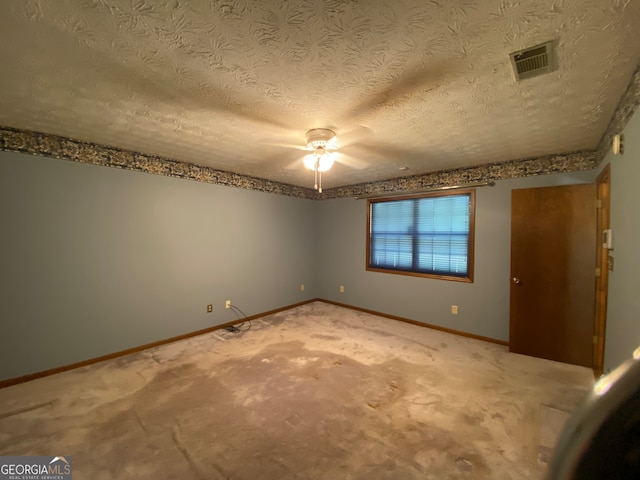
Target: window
column 428, row 235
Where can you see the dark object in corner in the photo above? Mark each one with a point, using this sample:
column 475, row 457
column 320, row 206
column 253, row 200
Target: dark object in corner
column 232, row 329
column 601, row 440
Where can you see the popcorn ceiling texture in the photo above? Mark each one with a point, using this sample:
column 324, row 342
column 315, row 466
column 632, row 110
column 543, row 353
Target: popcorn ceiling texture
column 200, row 89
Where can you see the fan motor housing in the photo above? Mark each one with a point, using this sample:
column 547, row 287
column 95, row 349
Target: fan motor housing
column 320, row 137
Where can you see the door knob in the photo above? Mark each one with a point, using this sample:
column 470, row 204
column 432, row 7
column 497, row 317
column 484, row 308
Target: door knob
column 515, row 280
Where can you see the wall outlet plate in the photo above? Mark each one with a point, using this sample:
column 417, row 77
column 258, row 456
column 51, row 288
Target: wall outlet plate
column 227, row 304
column 209, row 308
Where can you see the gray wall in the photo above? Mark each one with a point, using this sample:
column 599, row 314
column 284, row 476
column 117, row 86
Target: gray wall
column 623, row 313
column 483, row 305
column 95, row 260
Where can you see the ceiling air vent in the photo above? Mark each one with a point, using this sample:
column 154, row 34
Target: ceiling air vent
column 533, row 61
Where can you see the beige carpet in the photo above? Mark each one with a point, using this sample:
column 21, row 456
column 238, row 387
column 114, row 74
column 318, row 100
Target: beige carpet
column 315, row 392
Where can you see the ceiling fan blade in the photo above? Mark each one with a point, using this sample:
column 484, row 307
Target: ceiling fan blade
column 351, row 161
column 291, row 141
column 356, row 134
column 281, row 158
column 295, row 165
column 385, row 151
column 287, row 145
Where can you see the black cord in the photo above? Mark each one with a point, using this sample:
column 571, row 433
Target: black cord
column 238, row 328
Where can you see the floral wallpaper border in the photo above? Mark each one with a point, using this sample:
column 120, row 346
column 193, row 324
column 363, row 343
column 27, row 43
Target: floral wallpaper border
column 14, row 140
column 35, row 143
column 570, row 162
column 24, row 141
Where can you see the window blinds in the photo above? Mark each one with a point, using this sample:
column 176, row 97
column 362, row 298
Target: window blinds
column 423, row 235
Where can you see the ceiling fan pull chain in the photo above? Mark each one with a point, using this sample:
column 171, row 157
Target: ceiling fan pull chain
column 320, row 182
column 316, row 179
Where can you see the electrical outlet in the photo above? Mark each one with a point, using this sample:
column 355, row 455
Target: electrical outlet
column 341, row 288
column 209, row 308
column 302, row 287
column 227, row 304
column 454, row 309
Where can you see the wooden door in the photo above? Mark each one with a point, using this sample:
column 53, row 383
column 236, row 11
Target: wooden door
column 553, row 250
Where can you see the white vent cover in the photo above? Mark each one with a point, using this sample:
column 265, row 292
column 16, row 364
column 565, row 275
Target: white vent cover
column 533, row 61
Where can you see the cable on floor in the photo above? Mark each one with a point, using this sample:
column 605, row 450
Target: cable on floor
column 238, row 328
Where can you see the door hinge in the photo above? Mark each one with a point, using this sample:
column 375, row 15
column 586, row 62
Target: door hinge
column 595, row 339
column 598, row 272
column 599, row 203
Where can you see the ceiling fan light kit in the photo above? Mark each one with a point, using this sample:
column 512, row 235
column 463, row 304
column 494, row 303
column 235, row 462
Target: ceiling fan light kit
column 321, row 161
column 320, row 141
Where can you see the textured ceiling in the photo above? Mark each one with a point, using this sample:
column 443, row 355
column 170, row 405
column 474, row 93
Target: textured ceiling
column 234, row 85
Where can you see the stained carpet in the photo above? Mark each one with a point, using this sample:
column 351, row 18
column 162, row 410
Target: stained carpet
column 314, row 392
